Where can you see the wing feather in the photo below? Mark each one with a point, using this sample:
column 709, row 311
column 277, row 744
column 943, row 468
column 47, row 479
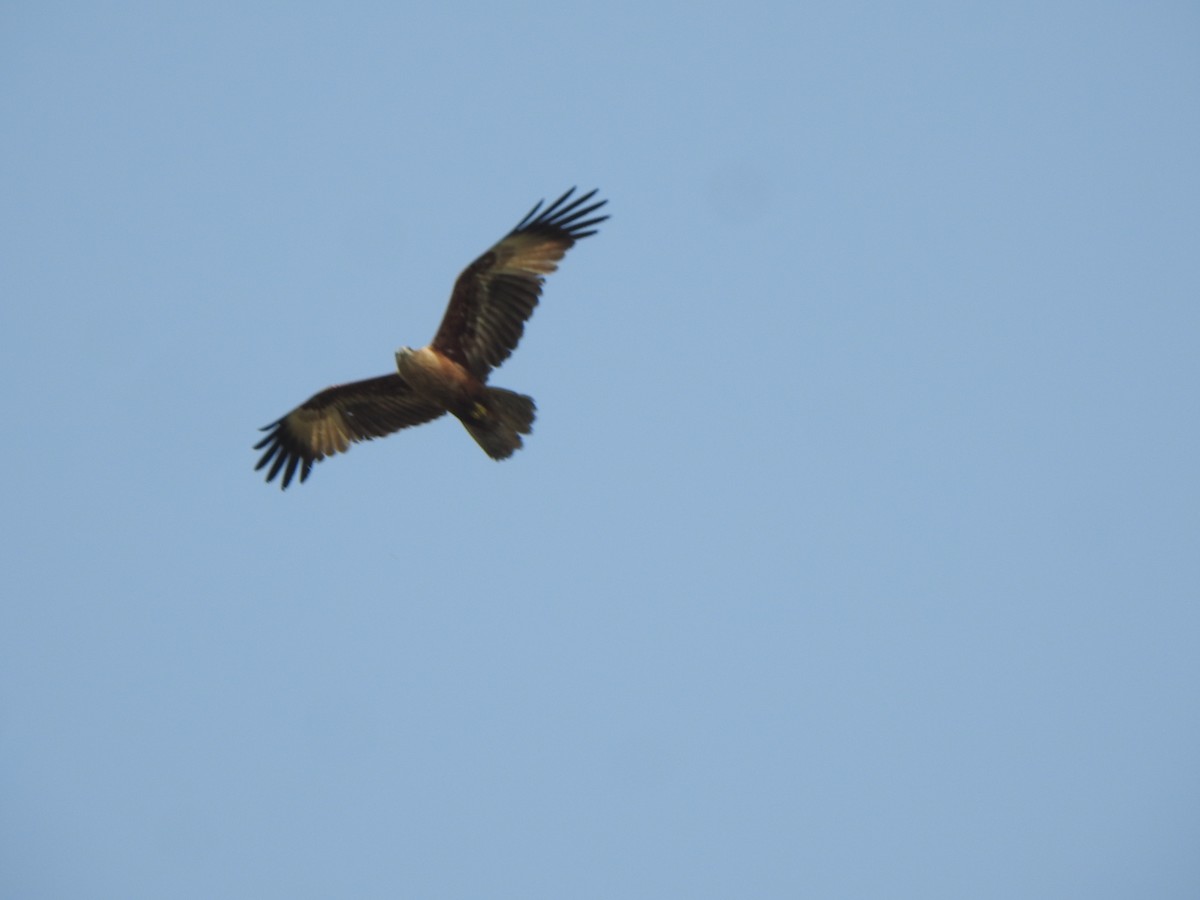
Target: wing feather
column 494, row 297
column 329, row 422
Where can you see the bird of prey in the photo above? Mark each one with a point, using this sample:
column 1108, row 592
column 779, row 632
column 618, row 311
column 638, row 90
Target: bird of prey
column 491, row 301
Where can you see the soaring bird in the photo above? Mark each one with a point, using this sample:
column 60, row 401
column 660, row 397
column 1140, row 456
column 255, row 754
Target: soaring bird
column 491, row 301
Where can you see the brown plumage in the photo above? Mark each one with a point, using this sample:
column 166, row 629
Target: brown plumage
column 492, row 300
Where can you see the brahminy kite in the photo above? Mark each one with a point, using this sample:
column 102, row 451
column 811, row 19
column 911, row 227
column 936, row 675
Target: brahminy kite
column 492, row 299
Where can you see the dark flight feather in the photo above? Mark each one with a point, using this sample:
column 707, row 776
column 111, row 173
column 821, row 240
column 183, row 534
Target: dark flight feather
column 329, row 422
column 494, row 297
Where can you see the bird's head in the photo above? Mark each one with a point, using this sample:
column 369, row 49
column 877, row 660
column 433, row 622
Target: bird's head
column 405, row 361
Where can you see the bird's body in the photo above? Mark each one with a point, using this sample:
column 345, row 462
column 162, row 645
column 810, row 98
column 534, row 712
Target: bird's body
column 496, row 418
column 438, row 378
column 492, row 300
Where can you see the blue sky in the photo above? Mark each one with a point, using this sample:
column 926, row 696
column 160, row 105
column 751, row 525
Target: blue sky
column 855, row 551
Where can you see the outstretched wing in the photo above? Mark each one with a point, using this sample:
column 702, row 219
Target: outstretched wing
column 496, row 294
column 332, row 420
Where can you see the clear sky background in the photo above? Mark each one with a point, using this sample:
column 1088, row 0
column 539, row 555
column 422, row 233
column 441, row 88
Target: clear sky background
column 856, row 551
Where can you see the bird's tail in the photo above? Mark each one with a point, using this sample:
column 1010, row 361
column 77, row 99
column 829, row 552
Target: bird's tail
column 498, row 420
